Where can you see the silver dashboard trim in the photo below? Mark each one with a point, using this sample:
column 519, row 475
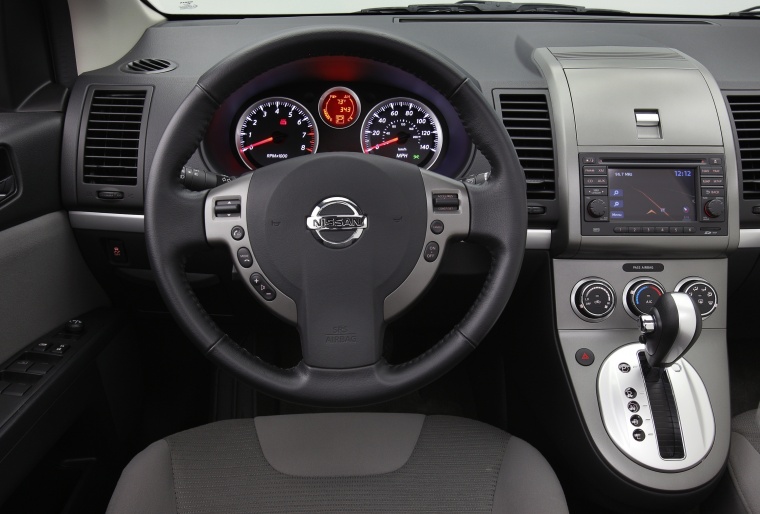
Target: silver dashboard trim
column 749, row 238
column 107, row 221
column 537, row 239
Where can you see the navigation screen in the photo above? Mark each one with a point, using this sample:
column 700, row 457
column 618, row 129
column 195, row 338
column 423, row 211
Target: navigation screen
column 652, row 194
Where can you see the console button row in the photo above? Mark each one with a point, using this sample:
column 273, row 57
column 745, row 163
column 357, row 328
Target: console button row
column 712, row 181
column 597, row 180
column 595, row 170
column 655, row 230
column 712, row 170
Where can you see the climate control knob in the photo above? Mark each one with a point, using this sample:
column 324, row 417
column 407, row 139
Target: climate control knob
column 641, row 295
column 702, row 292
column 715, row 208
column 597, row 208
column 593, row 299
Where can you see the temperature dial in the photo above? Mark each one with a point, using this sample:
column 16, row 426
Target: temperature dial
column 702, row 292
column 593, row 299
column 641, row 295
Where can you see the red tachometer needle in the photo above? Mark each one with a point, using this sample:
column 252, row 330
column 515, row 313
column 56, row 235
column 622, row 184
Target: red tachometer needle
column 259, row 143
column 389, row 142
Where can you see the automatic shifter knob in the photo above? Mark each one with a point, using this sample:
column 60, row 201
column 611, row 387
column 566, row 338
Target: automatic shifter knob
column 670, row 328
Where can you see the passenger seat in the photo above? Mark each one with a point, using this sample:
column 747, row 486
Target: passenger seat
column 739, row 491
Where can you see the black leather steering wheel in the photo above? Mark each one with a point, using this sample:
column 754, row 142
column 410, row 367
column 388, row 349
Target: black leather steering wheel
column 377, row 256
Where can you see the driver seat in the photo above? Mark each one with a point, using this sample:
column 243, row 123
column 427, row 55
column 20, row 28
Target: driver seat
column 347, row 462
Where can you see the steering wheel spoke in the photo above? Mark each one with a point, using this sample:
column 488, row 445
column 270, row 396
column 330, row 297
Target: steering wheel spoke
column 448, row 220
column 226, row 224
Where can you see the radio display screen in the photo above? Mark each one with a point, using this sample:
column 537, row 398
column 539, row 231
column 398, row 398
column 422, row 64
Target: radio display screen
column 643, row 195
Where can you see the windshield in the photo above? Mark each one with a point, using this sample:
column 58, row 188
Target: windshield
column 291, row 7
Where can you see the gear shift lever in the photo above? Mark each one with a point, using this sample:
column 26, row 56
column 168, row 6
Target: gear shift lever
column 669, row 330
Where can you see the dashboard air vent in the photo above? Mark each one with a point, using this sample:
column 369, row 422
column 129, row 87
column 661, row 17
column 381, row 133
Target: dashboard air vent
column 526, row 117
column 112, row 140
column 149, row 66
column 745, row 111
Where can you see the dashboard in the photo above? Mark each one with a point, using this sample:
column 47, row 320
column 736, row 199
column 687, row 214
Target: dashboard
column 632, row 133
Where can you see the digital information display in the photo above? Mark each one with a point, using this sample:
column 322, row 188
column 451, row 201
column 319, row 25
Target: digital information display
column 643, row 195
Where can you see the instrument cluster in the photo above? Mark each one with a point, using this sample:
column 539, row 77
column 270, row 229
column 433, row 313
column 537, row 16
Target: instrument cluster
column 305, row 117
column 275, row 128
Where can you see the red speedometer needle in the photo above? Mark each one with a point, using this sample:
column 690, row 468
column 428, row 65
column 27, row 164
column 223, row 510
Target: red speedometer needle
column 259, row 143
column 389, row 142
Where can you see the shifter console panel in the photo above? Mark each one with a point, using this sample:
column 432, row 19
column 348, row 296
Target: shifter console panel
column 630, row 408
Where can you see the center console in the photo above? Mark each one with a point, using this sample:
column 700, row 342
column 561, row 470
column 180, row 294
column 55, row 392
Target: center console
column 648, row 184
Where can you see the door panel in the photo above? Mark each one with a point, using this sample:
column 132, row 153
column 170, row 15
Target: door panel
column 43, row 281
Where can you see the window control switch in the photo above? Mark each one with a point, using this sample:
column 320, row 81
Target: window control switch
column 60, row 349
column 17, row 389
column 40, row 368
column 42, row 347
column 3, row 385
column 20, row 366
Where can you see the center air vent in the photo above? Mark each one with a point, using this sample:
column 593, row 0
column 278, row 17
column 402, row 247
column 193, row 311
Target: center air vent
column 111, row 153
column 149, row 66
column 745, row 111
column 526, row 117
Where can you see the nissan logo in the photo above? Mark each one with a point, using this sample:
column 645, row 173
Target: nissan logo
column 337, row 222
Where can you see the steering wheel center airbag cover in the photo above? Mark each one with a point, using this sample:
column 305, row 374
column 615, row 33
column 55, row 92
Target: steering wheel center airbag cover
column 344, row 275
column 337, row 214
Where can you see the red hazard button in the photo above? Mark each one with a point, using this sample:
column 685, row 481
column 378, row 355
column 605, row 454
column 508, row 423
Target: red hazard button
column 584, row 357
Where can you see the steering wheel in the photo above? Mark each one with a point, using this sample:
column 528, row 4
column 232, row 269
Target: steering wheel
column 337, row 243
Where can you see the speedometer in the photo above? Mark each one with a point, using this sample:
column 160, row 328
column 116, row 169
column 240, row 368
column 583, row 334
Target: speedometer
column 404, row 129
column 275, row 129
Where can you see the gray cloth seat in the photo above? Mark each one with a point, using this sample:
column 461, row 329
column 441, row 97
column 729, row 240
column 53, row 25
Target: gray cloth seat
column 740, row 491
column 339, row 463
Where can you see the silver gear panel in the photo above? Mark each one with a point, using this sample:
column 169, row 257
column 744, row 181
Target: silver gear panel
column 623, row 395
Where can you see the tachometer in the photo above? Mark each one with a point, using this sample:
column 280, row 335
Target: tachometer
column 275, row 129
column 404, row 129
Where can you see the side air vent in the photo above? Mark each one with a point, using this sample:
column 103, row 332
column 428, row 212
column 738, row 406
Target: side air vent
column 526, row 117
column 112, row 140
column 149, row 66
column 745, row 111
